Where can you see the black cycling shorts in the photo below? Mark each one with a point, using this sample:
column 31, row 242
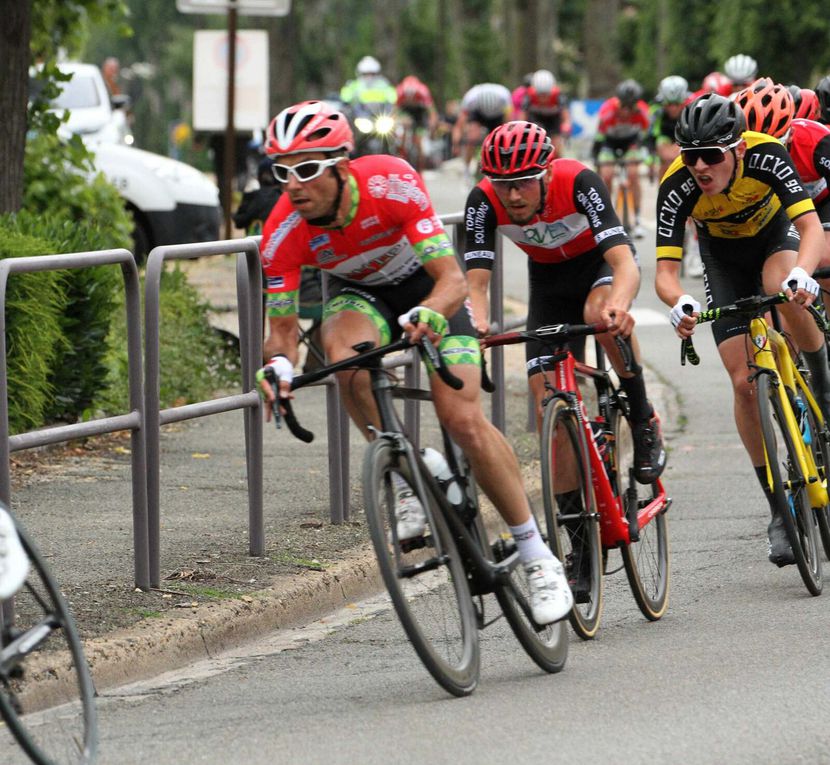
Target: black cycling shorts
column 732, row 268
column 488, row 123
column 558, row 292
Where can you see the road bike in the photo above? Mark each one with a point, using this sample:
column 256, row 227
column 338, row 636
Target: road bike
column 794, row 431
column 624, row 197
column 593, row 503
column 437, row 582
column 41, row 662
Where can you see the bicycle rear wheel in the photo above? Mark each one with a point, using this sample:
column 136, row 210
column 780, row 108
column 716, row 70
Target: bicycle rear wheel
column 428, row 590
column 571, row 518
column 646, row 561
column 788, row 486
column 42, row 664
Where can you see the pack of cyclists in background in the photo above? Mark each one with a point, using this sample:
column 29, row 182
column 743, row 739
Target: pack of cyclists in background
column 370, row 225
column 544, row 104
column 622, row 126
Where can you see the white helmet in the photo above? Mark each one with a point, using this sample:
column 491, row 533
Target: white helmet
column 741, row 69
column 368, row 65
column 673, row 90
column 490, row 101
column 543, row 81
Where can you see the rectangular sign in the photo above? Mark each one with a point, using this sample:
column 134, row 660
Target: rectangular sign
column 210, row 80
column 243, row 7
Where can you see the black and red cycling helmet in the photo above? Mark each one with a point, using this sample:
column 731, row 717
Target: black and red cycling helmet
column 516, row 149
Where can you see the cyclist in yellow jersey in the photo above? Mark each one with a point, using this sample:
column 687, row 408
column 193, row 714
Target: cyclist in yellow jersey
column 758, row 231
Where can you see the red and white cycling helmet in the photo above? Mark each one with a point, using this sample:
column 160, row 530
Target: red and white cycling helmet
column 717, row 82
column 308, row 126
column 806, row 102
column 516, row 149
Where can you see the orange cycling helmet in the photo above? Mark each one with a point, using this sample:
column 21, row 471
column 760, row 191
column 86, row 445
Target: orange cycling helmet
column 308, row 126
column 514, row 150
column 767, row 106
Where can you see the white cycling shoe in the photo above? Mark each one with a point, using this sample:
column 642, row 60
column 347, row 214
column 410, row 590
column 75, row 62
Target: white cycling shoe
column 14, row 563
column 409, row 513
column 551, row 598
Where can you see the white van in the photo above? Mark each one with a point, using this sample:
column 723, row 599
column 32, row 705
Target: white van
column 171, row 202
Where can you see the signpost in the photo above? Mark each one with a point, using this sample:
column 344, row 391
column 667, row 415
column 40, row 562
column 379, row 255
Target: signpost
column 232, row 8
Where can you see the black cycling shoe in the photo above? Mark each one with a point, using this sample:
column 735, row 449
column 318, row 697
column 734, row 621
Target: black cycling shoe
column 649, row 454
column 780, row 550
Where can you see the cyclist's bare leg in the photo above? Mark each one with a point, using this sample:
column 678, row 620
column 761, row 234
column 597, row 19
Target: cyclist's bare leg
column 734, row 353
column 632, row 170
column 606, row 172
column 339, row 333
column 592, row 313
column 493, row 461
column 558, row 142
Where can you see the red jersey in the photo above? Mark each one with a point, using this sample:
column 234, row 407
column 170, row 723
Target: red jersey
column 547, row 103
column 390, row 231
column 613, row 124
column 577, row 218
column 809, row 147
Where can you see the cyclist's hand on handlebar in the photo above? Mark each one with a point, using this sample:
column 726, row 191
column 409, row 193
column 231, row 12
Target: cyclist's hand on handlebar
column 420, row 321
column 683, row 315
column 620, row 322
column 800, row 287
column 280, row 370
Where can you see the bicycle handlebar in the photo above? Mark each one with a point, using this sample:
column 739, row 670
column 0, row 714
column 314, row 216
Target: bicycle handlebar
column 748, row 306
column 365, row 357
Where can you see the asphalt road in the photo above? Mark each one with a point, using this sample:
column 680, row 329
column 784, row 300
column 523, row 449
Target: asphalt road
column 737, row 671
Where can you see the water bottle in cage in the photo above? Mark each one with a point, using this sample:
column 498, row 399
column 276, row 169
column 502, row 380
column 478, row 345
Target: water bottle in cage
column 803, row 422
column 438, row 466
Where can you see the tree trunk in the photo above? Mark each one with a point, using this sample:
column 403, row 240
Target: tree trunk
column 528, row 32
column 14, row 95
column 599, row 46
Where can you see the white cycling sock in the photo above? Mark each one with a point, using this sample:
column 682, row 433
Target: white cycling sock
column 529, row 541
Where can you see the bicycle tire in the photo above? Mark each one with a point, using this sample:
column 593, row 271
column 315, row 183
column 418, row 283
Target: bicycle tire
column 820, row 449
column 564, row 444
column 799, row 519
column 52, row 655
column 434, row 606
column 646, row 561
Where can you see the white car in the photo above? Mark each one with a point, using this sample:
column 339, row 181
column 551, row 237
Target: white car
column 171, row 202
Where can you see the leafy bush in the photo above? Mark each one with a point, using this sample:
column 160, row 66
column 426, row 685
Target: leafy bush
column 35, row 303
column 194, row 360
column 66, row 203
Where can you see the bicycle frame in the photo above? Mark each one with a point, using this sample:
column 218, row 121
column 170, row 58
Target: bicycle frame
column 772, row 356
column 616, row 528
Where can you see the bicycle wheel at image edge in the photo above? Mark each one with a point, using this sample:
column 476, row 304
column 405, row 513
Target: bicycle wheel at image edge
column 570, row 512
column 647, row 560
column 432, row 601
column 788, row 487
column 816, row 442
column 55, row 669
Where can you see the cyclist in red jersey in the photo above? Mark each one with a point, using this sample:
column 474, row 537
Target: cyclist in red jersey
column 581, row 267
column 622, row 127
column 545, row 104
column 581, row 263
column 418, row 116
column 370, row 225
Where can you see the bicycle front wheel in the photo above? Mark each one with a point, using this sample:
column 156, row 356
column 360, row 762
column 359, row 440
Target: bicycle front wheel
column 42, row 664
column 788, row 486
column 427, row 584
column 570, row 513
column 646, row 561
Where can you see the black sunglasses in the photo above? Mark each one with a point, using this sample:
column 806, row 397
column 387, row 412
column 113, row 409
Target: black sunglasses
column 711, row 155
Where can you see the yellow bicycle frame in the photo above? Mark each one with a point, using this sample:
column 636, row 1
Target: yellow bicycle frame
column 773, row 352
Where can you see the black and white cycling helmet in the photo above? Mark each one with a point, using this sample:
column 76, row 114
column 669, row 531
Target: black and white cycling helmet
column 710, row 120
column 741, row 69
column 629, row 92
column 823, row 93
column 673, row 90
column 543, row 81
column 368, row 65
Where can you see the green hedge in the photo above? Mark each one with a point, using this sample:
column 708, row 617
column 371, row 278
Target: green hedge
column 35, row 304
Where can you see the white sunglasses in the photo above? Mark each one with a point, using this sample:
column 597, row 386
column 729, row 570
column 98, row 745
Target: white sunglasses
column 304, row 171
column 521, row 182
